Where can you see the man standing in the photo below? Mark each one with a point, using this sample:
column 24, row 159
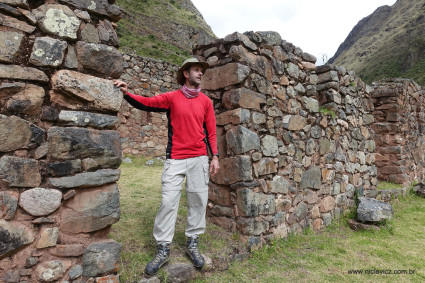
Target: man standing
column 191, row 133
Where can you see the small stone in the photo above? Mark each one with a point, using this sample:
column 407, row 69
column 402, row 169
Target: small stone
column 16, row 24
column 8, row 205
column 20, row 172
column 10, row 44
column 14, row 236
column 16, row 72
column 48, row 52
column 85, row 180
column 40, row 201
column 52, row 270
column 101, row 257
column 48, row 237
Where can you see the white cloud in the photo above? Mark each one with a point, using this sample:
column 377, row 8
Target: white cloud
column 317, row 27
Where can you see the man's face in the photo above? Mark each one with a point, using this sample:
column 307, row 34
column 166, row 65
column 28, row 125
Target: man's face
column 193, row 75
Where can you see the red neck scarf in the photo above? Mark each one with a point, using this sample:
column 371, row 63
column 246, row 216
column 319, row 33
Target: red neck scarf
column 190, row 92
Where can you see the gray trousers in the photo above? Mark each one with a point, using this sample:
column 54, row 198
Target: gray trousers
column 196, row 171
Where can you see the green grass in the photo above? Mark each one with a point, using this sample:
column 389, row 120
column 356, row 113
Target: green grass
column 326, row 256
column 388, row 186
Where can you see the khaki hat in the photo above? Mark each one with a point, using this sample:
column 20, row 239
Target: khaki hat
column 188, row 62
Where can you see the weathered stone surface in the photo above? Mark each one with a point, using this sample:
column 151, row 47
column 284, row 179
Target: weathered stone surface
column 252, row 226
column 8, row 205
column 230, row 74
column 180, row 272
column 16, row 24
column 269, row 146
column 107, row 34
column 270, row 37
column 90, row 34
column 48, row 52
column 88, row 119
column 101, row 257
column 372, row 210
column 48, row 237
column 220, row 194
column 9, row 89
column 240, row 140
column 20, row 172
column 100, row 58
column 311, row 104
column 67, row 250
column 68, row 167
column 58, row 20
column 53, row 270
column 101, row 7
column 244, row 98
column 236, row 36
column 10, row 43
column 22, row 73
column 265, row 166
column 237, row 116
column 91, row 210
column 296, row 123
column 71, row 60
column 96, row 93
column 13, row 236
column 16, row 3
column 253, row 204
column 311, row 179
column 28, row 101
column 233, row 169
column 40, row 201
column 327, row 204
column 79, row 143
column 278, row 185
column 358, row 226
column 85, row 180
column 75, row 272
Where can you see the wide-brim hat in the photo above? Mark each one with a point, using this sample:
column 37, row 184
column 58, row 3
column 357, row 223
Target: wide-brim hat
column 187, row 63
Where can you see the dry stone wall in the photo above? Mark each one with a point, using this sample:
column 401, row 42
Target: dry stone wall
column 144, row 133
column 295, row 141
column 59, row 145
column 399, row 127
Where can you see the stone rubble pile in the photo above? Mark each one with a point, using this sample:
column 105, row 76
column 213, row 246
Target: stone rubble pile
column 295, row 140
column 59, row 145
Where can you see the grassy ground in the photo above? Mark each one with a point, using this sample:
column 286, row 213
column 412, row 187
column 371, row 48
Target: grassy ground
column 328, row 256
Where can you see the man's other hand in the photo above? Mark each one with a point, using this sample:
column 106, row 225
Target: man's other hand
column 214, row 166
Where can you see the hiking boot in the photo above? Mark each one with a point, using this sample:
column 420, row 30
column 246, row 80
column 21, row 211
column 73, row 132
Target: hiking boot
column 193, row 251
column 162, row 256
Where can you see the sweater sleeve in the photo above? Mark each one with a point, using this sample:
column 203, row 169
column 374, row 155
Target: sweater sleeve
column 158, row 103
column 210, row 124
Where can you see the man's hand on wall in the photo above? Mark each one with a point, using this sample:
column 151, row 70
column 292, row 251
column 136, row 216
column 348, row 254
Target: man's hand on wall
column 214, row 166
column 122, row 85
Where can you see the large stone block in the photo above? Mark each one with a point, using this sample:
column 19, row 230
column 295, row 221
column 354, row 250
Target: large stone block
column 372, row 210
column 14, row 133
column 278, row 185
column 89, row 91
column 15, row 72
column 233, row 169
column 237, row 116
column 10, row 44
column 20, row 172
column 100, row 7
column 58, row 20
column 8, row 205
column 100, row 58
column 229, row 74
column 85, row 180
column 52, row 270
column 244, row 98
column 48, row 52
column 253, row 204
column 220, row 195
column 265, row 166
column 16, row 3
column 269, row 146
column 28, row 101
column 13, row 236
column 91, row 210
column 311, row 179
column 88, row 119
column 241, row 140
column 16, row 24
column 101, row 257
column 40, row 201
column 79, row 143
column 253, row 226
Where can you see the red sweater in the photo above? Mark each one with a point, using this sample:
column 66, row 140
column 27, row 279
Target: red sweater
column 191, row 122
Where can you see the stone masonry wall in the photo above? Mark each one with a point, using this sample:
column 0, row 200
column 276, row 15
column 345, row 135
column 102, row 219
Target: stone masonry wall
column 144, row 133
column 295, row 141
column 59, row 147
column 399, row 127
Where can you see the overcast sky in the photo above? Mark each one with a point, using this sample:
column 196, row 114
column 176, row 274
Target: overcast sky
column 318, row 27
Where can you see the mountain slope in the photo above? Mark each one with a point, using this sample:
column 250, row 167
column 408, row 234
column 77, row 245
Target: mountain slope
column 388, row 43
column 161, row 29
